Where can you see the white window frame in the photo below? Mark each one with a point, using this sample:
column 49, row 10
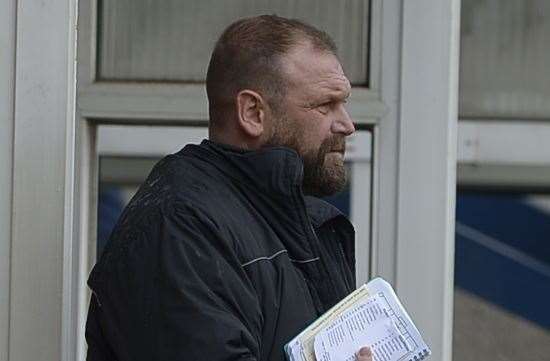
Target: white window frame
column 183, row 105
column 504, row 154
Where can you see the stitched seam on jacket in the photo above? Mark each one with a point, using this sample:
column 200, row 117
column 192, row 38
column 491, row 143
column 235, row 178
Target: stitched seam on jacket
column 269, row 258
column 305, row 261
column 264, row 258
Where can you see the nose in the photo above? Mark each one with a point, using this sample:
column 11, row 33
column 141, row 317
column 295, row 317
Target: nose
column 343, row 124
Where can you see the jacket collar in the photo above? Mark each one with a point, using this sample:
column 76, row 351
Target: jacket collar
column 277, row 170
column 320, row 211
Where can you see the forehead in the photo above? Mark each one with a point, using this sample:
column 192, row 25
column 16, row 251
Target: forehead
column 312, row 72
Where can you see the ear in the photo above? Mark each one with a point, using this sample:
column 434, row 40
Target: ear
column 251, row 109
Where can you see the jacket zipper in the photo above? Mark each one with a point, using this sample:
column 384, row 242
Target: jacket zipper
column 343, row 262
column 309, row 231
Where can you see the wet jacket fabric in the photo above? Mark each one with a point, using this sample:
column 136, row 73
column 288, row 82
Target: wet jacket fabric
column 218, row 256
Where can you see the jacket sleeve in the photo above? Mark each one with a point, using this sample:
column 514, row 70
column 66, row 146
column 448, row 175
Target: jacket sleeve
column 177, row 292
column 204, row 307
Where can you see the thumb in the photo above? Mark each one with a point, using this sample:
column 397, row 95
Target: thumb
column 364, row 354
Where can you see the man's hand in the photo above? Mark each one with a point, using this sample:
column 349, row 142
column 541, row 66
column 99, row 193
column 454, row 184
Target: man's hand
column 364, row 354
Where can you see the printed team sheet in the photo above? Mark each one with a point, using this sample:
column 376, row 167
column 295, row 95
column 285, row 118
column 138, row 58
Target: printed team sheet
column 372, row 323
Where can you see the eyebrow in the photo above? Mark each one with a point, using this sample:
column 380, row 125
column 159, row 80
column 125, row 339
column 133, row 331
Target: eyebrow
column 333, row 93
column 340, row 91
column 327, row 99
column 339, row 95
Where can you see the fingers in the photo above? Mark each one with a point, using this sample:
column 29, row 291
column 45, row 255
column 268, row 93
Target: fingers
column 364, row 354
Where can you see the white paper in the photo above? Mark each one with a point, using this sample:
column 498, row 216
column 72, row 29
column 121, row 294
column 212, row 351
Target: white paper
column 301, row 347
column 419, row 349
column 373, row 309
column 370, row 324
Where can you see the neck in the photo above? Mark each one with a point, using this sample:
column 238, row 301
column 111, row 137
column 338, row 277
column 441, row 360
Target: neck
column 232, row 138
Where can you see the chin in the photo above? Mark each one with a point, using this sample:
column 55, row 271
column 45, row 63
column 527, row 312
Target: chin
column 332, row 180
column 327, row 179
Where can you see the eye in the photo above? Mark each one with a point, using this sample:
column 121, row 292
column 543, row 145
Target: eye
column 325, row 107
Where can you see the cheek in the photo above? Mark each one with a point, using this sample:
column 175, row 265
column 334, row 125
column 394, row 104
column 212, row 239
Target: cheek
column 311, row 130
column 318, row 129
column 312, row 139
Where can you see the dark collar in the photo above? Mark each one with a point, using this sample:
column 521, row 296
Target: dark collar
column 320, row 211
column 275, row 170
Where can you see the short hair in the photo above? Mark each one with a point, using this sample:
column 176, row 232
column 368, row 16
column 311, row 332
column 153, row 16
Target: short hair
column 247, row 56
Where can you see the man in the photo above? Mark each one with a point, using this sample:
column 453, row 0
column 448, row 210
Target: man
column 220, row 256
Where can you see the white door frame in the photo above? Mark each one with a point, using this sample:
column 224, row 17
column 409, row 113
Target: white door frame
column 7, row 94
column 43, row 213
column 426, row 170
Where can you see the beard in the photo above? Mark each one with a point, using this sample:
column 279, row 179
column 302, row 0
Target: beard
column 324, row 170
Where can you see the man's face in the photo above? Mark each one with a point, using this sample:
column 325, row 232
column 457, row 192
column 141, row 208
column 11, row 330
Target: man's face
column 314, row 121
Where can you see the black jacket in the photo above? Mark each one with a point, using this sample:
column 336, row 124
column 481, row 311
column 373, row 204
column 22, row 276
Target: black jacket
column 218, row 256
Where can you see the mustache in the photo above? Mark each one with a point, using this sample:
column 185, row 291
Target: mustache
column 334, row 144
